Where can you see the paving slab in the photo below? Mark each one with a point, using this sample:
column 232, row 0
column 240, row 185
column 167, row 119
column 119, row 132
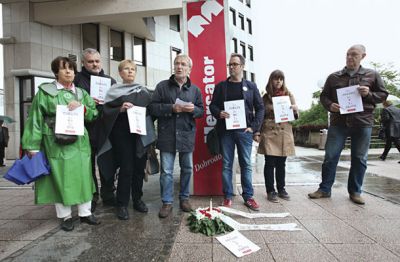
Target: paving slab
column 300, row 252
column 357, row 252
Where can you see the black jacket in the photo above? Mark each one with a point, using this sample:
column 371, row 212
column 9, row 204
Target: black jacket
column 176, row 131
column 82, row 80
column 254, row 105
column 390, row 118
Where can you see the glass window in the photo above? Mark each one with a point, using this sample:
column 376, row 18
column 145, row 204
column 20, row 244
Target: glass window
column 174, row 53
column 174, row 23
column 90, row 36
column 116, row 45
column 241, row 18
column 252, row 77
column 245, row 74
column 250, row 53
column 233, row 15
column 249, row 26
column 139, row 51
column 243, row 48
column 234, row 46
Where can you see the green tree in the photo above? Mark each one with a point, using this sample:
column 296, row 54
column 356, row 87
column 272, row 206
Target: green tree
column 390, row 76
column 315, row 116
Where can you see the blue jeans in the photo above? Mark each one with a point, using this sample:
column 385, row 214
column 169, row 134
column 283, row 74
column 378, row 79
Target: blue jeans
column 360, row 139
column 243, row 141
column 167, row 175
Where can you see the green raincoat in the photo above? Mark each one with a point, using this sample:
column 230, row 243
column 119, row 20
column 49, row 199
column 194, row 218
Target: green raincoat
column 70, row 181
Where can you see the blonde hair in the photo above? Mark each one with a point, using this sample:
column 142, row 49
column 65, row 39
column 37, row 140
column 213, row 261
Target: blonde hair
column 125, row 62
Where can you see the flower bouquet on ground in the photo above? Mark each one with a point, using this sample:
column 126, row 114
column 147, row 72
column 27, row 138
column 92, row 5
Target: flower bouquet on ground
column 207, row 221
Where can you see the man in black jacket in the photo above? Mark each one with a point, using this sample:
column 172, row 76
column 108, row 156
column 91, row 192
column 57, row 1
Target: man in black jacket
column 237, row 88
column 91, row 66
column 390, row 118
column 176, row 103
column 4, row 137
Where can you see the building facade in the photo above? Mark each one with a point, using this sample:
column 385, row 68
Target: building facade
column 37, row 31
column 148, row 32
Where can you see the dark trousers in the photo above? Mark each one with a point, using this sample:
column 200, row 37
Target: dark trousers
column 107, row 186
column 131, row 172
column 388, row 145
column 2, row 154
column 277, row 164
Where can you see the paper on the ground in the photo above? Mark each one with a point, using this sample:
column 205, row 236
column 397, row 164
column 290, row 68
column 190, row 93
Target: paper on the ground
column 99, row 87
column 246, row 227
column 181, row 102
column 237, row 114
column 282, row 110
column 69, row 122
column 349, row 100
column 137, row 120
column 251, row 215
column 238, row 244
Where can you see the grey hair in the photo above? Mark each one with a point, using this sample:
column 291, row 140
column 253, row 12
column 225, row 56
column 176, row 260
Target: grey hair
column 241, row 57
column 189, row 60
column 359, row 47
column 88, row 51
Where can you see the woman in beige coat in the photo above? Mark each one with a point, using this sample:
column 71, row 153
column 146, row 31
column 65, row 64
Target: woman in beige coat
column 276, row 139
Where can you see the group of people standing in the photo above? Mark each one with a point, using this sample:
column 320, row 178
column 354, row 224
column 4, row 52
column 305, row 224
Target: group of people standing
column 122, row 154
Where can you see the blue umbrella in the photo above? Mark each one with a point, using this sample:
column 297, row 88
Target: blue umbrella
column 27, row 170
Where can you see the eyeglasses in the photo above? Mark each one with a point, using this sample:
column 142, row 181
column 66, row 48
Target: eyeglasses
column 233, row 65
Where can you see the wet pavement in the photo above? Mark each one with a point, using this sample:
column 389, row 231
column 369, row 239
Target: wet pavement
column 334, row 229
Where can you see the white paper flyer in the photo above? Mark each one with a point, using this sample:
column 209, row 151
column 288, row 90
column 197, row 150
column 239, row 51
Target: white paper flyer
column 238, row 244
column 282, row 110
column 137, row 120
column 237, row 114
column 69, row 122
column 99, row 87
column 349, row 100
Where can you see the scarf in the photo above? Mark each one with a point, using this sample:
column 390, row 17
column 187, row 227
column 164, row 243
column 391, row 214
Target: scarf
column 118, row 90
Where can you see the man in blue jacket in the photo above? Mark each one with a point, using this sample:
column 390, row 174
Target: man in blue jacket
column 176, row 103
column 237, row 88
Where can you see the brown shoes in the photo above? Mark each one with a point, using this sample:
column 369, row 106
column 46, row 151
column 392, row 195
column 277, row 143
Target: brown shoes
column 185, row 205
column 165, row 210
column 356, row 198
column 319, row 194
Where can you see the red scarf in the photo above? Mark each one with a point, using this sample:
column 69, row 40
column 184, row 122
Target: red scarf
column 279, row 92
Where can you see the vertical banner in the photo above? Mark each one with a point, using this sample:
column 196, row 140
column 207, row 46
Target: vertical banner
column 206, row 45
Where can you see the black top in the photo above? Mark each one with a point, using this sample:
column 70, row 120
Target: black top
column 234, row 91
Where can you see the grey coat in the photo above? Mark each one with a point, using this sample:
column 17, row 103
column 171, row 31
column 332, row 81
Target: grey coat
column 390, row 118
column 176, row 131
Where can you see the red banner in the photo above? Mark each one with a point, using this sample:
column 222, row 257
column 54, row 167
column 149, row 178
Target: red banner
column 207, row 48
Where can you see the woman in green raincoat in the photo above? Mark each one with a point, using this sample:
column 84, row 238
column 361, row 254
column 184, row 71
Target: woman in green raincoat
column 70, row 182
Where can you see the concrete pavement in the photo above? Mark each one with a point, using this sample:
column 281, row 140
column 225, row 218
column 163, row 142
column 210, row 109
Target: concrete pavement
column 334, row 229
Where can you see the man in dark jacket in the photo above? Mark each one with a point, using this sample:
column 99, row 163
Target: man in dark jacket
column 356, row 125
column 237, row 88
column 176, row 103
column 91, row 65
column 390, row 118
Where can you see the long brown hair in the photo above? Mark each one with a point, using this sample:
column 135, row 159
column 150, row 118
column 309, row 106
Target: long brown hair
column 277, row 74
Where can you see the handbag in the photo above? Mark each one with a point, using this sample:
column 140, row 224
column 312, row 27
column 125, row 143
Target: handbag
column 152, row 164
column 382, row 133
column 212, row 141
column 60, row 139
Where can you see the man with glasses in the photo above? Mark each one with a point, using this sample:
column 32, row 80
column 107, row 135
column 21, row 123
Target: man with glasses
column 237, row 88
column 176, row 103
column 356, row 125
column 91, row 65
